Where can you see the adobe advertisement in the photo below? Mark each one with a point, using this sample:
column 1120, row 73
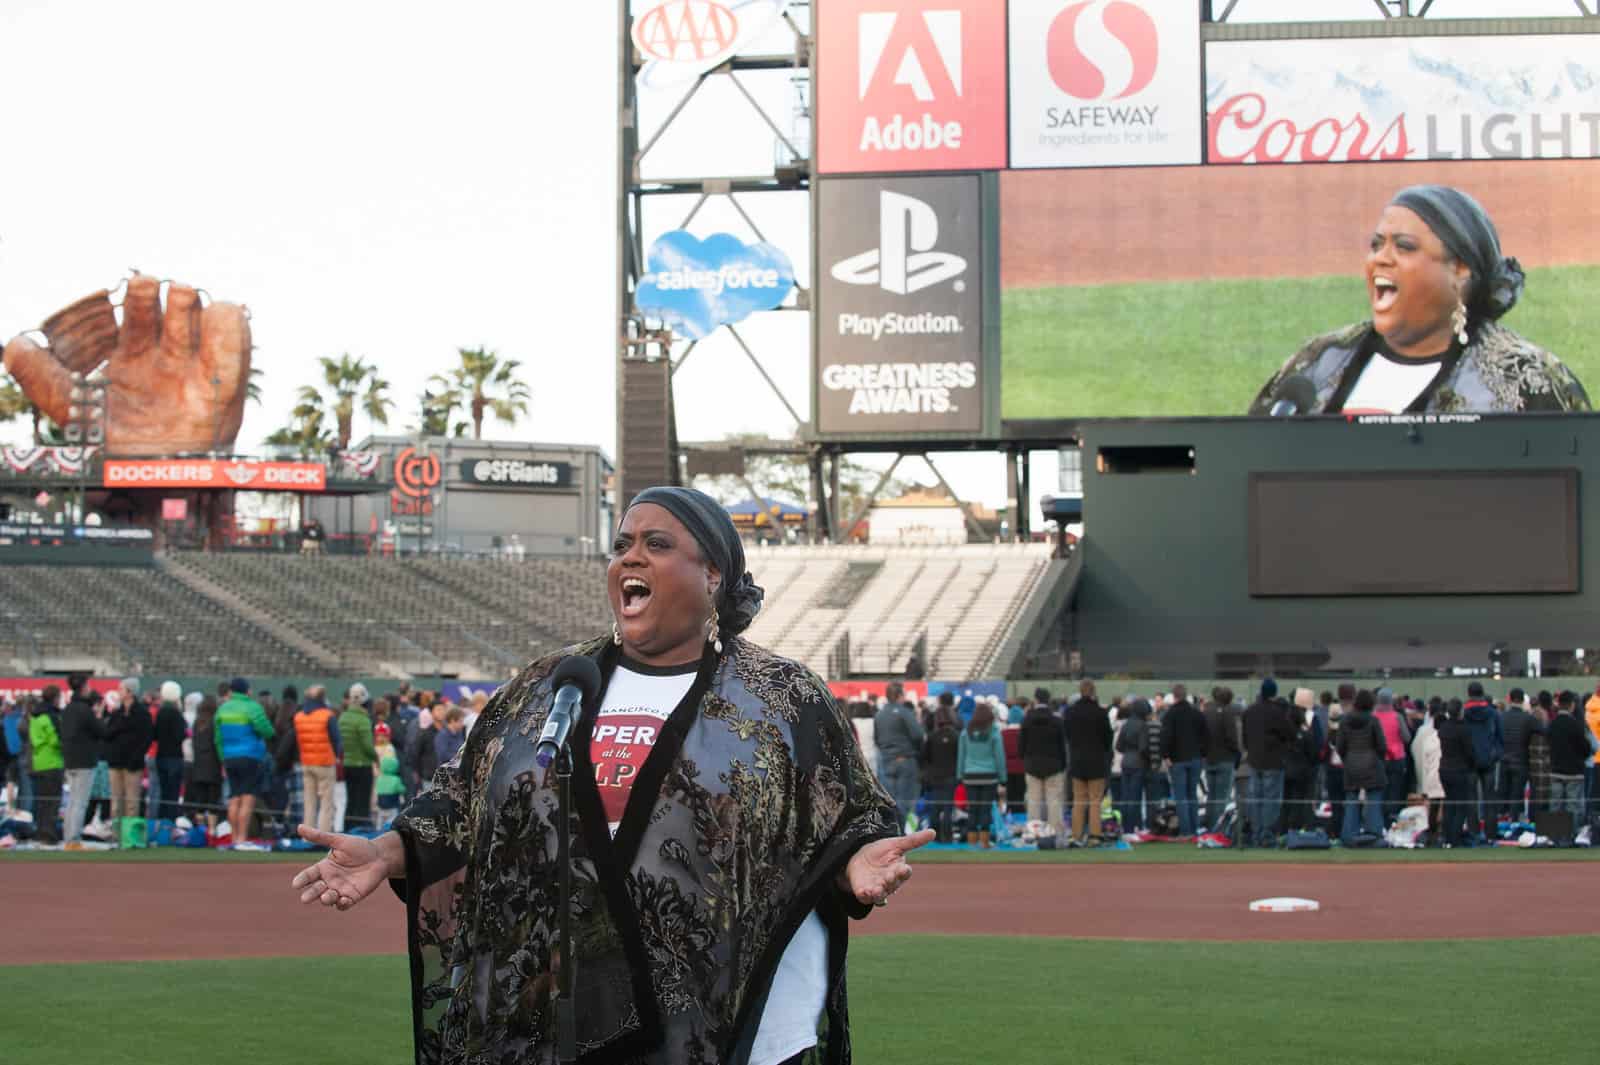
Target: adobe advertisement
column 906, row 85
column 1105, row 83
column 1403, row 98
column 900, row 333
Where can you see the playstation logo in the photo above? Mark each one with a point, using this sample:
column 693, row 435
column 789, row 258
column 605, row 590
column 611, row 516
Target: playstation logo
column 904, row 261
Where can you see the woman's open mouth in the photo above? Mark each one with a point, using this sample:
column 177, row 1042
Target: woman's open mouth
column 635, row 596
column 1384, row 293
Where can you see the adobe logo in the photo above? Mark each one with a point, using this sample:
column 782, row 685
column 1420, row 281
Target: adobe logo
column 911, row 85
column 1098, row 50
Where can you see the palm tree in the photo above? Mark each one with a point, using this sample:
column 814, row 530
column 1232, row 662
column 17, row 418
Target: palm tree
column 435, row 411
column 14, row 404
column 304, row 433
column 252, row 387
column 350, row 381
column 482, row 372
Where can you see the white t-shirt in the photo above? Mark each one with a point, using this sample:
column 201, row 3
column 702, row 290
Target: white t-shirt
column 638, row 702
column 1388, row 385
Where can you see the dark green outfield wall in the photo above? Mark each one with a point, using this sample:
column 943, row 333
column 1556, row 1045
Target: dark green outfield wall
column 1165, row 587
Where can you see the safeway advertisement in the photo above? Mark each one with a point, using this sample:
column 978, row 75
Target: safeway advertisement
column 1105, row 83
column 911, row 85
column 1400, row 98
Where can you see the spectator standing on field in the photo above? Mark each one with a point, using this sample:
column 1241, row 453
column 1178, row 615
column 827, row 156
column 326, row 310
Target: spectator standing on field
column 242, row 730
column 981, row 765
column 202, row 791
column 318, row 741
column 1300, row 760
column 170, row 730
column 1518, row 725
column 391, row 789
column 1396, row 743
column 1544, row 712
column 424, row 754
column 1183, row 747
column 360, row 758
column 1569, row 758
column 941, row 751
column 1488, row 744
column 1222, row 754
column 449, row 739
column 1157, row 785
column 899, row 736
column 1455, row 772
column 44, row 741
column 1042, row 743
column 129, row 732
column 1131, row 744
column 81, row 733
column 1088, row 763
column 1427, row 753
column 1362, row 746
column 1268, row 731
column 1591, row 782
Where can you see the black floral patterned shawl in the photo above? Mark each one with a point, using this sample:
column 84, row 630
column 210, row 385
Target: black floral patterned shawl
column 1500, row 371
column 749, row 805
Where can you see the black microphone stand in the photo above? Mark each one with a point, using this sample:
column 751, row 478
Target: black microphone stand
column 566, row 1015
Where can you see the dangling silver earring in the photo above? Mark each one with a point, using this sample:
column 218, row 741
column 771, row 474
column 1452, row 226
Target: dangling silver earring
column 1458, row 322
column 713, row 637
column 616, row 634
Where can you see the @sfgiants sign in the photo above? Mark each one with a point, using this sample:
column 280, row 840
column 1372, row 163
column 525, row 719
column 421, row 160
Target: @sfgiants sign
column 216, row 473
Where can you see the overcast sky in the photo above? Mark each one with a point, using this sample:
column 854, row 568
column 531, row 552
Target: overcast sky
column 396, row 180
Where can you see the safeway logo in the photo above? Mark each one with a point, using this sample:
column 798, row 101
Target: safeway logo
column 911, row 84
column 1103, row 50
column 904, row 261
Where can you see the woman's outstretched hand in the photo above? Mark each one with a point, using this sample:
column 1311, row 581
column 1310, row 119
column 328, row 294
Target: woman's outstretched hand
column 877, row 870
column 353, row 868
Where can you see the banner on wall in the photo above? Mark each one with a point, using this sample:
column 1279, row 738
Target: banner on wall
column 911, row 85
column 209, row 473
column 1105, row 83
column 874, row 689
column 900, row 305
column 17, row 687
column 1385, row 99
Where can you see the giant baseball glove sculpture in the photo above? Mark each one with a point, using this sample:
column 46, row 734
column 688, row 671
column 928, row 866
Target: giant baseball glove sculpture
column 175, row 379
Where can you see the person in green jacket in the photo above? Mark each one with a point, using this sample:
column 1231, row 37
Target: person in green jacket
column 44, row 736
column 242, row 730
column 360, row 756
column 391, row 788
column 981, row 767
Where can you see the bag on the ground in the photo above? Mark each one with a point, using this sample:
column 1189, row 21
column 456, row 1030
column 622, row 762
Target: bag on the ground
column 1164, row 822
column 133, row 833
column 1364, row 839
column 1307, row 839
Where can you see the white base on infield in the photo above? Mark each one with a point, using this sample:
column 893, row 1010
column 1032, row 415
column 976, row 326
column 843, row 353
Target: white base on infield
column 1284, row 905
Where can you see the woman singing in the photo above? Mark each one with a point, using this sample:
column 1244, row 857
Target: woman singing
column 725, row 828
column 1438, row 286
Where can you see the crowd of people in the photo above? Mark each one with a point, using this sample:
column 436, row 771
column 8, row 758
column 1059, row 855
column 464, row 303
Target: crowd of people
column 1343, row 763
column 242, row 765
column 231, row 766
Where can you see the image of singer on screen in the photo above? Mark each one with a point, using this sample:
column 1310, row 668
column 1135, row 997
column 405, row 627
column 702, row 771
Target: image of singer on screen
column 1438, row 286
column 725, row 830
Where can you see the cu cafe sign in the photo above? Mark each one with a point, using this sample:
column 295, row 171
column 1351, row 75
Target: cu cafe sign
column 517, row 473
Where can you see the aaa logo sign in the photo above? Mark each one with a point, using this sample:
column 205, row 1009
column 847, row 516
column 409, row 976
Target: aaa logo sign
column 911, row 85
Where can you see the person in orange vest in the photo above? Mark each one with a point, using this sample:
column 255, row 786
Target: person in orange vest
column 316, row 732
column 1591, row 715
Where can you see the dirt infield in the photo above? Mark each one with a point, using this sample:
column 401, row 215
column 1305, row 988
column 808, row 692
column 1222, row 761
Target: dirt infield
column 130, row 912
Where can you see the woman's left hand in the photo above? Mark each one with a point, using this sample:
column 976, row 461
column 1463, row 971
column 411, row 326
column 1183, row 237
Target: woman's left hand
column 878, row 869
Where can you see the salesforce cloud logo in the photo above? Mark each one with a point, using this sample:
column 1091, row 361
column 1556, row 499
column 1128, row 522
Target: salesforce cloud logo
column 1106, row 53
column 693, row 285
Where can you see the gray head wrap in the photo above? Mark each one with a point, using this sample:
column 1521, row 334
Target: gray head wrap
column 1466, row 231
column 739, row 598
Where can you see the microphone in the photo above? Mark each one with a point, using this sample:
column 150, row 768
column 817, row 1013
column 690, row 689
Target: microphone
column 1297, row 395
column 576, row 679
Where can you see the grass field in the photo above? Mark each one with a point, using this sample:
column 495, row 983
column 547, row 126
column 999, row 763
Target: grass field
column 1206, row 347
column 915, row 1000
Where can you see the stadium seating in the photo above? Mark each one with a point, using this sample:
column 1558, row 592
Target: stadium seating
column 270, row 614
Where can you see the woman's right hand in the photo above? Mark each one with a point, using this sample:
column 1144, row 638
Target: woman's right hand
column 353, row 868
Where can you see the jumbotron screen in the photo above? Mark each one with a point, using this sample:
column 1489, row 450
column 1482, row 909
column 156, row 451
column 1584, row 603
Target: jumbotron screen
column 1183, row 291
